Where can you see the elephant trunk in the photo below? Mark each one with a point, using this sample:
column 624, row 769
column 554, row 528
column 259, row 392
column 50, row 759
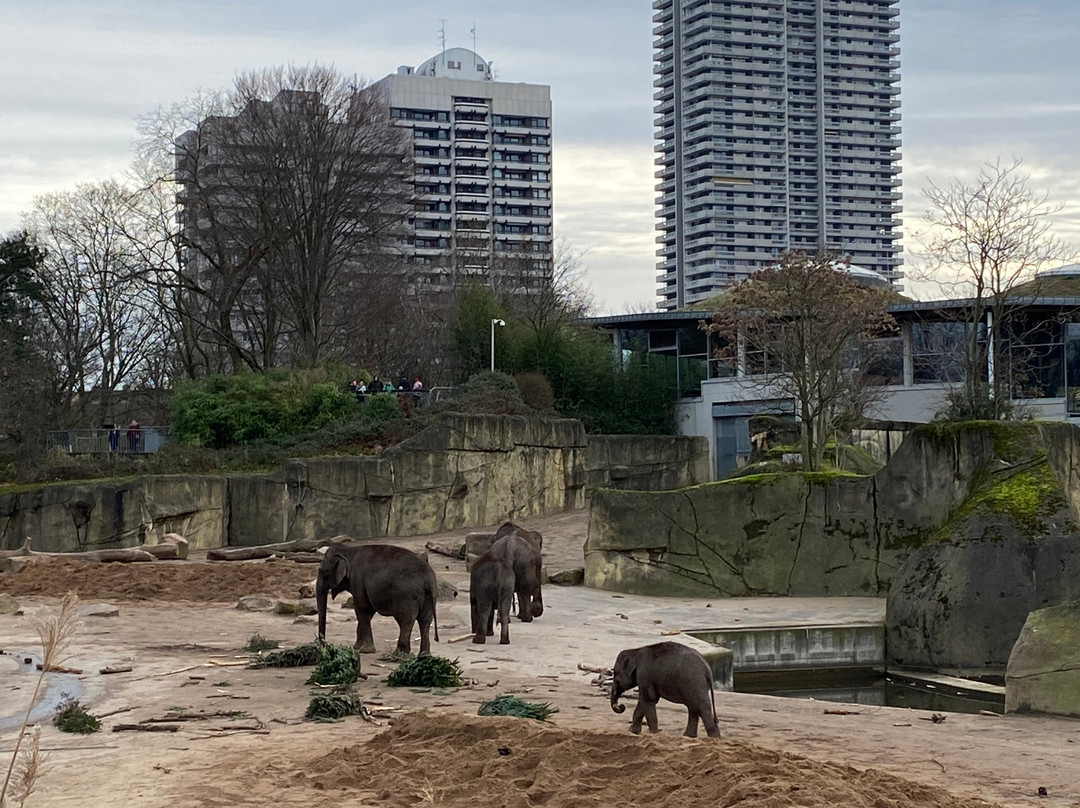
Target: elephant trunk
column 322, row 591
column 616, row 691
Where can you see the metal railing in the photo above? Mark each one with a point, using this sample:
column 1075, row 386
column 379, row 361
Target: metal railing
column 121, row 440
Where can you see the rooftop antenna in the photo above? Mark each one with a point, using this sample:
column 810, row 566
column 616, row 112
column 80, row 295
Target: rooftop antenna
column 442, row 35
column 473, row 32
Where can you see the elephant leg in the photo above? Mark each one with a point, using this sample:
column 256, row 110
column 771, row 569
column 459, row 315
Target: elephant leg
column 365, row 642
column 691, row 722
column 474, row 614
column 424, row 622
column 650, row 716
column 404, row 643
column 504, row 619
column 712, row 727
column 490, row 624
column 480, row 624
column 525, row 606
column 639, row 714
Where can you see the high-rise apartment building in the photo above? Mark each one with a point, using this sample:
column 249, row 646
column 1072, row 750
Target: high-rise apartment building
column 778, row 128
column 482, row 151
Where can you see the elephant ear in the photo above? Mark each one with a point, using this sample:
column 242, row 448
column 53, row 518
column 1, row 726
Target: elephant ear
column 627, row 663
column 339, row 574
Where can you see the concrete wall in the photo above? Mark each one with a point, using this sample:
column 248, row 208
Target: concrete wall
column 464, row 471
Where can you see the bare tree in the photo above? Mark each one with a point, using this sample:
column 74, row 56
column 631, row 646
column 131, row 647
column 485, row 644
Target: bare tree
column 795, row 329
column 292, row 189
column 986, row 237
column 99, row 299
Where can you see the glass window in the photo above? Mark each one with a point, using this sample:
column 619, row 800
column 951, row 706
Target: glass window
column 937, row 350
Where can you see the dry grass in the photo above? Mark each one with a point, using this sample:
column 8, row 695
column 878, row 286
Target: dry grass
column 26, row 764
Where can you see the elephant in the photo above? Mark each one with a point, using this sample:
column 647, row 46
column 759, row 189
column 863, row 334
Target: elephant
column 491, row 589
column 666, row 670
column 521, row 549
column 382, row 579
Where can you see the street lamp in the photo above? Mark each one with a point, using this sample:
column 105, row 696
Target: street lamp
column 500, row 323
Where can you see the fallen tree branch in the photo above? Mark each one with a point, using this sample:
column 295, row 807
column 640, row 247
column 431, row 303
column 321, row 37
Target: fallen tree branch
column 591, row 668
column 59, row 669
column 265, row 550
column 446, row 550
column 145, row 728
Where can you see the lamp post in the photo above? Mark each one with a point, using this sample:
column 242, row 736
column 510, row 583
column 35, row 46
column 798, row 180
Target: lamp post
column 500, row 323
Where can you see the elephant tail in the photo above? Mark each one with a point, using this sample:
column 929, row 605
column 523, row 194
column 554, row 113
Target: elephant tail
column 434, row 595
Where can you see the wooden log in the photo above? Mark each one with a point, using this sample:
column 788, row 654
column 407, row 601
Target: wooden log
column 145, row 728
column 125, row 555
column 60, row 669
column 301, row 558
column 163, row 552
column 20, row 552
column 265, row 550
column 116, row 669
column 446, row 550
column 177, row 541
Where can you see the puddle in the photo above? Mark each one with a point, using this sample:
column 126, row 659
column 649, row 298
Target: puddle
column 18, row 672
column 869, row 688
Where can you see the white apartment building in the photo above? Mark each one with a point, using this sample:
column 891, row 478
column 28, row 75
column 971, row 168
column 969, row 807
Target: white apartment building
column 778, row 128
column 482, row 150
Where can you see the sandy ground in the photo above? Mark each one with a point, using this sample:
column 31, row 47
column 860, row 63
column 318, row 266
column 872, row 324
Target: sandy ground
column 179, row 631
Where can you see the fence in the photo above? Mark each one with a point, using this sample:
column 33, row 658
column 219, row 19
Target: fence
column 143, row 440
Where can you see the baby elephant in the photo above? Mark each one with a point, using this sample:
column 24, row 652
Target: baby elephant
column 666, row 670
column 491, row 590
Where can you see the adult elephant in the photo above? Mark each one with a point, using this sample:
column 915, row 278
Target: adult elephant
column 666, row 670
column 521, row 550
column 382, row 579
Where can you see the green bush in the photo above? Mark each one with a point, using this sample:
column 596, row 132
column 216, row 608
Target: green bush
column 223, row 411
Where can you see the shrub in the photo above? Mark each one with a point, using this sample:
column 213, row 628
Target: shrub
column 536, row 390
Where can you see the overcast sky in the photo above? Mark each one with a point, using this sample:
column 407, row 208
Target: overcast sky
column 981, row 79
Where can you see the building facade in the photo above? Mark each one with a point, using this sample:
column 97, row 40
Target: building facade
column 482, row 152
column 778, row 128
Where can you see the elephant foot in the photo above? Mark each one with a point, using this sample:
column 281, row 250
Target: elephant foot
column 636, row 730
column 362, row 648
column 505, row 641
column 525, row 618
column 479, row 639
column 400, row 653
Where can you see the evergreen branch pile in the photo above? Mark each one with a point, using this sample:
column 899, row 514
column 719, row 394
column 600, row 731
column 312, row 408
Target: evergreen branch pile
column 426, row 671
column 518, row 708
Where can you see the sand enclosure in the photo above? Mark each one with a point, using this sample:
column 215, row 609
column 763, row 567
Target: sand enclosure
column 178, row 630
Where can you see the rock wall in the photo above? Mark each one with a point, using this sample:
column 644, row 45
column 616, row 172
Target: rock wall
column 785, row 534
column 465, row 470
column 1011, row 547
column 1043, row 674
column 645, row 462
